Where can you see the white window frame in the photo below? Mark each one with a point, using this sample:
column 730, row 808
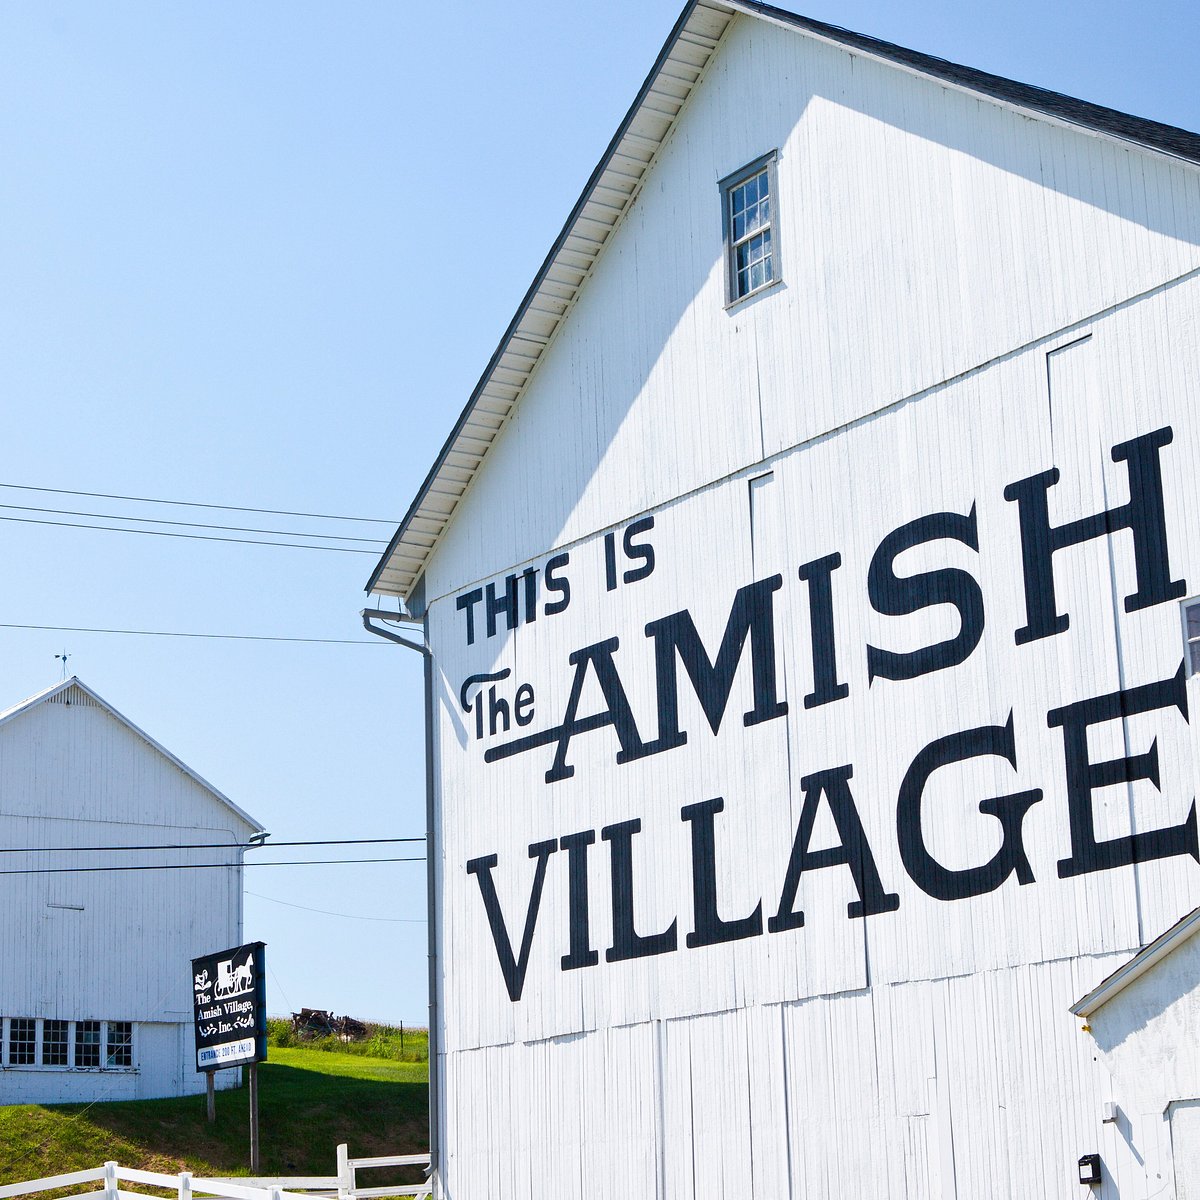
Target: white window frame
column 765, row 163
column 63, row 1066
column 106, row 1029
column 1189, row 643
column 39, row 1063
column 8, row 1035
column 99, row 1043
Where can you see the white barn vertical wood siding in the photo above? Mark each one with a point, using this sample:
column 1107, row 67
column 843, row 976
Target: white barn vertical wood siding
column 972, row 295
column 107, row 945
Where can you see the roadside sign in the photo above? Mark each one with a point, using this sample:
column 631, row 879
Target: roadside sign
column 229, row 996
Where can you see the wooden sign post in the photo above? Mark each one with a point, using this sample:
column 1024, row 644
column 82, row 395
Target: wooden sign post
column 254, row 1167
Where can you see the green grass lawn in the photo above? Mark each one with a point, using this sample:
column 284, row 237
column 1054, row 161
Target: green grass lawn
column 309, row 1101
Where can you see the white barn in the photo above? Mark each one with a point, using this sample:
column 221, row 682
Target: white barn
column 95, row 995
column 805, row 592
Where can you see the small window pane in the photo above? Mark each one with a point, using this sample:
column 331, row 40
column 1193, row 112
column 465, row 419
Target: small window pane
column 54, row 1043
column 1193, row 621
column 87, row 1043
column 22, row 1041
column 1194, row 654
column 119, row 1051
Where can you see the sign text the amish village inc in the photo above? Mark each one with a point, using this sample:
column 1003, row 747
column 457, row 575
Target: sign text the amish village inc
column 749, row 642
column 229, row 1001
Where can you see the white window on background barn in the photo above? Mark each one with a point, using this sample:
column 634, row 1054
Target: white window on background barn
column 118, row 1051
column 87, row 1043
column 54, row 1043
column 22, row 1041
column 749, row 197
column 105, row 1044
column 1191, row 634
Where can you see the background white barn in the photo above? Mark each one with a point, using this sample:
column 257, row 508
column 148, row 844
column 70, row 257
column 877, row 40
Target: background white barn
column 95, row 990
column 981, row 292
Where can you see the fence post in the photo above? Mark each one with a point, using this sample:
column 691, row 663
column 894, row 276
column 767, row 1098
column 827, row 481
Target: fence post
column 185, row 1185
column 110, row 1181
column 344, row 1173
column 275, row 1192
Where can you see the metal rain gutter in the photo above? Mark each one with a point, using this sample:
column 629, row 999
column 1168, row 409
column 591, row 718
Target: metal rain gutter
column 422, row 648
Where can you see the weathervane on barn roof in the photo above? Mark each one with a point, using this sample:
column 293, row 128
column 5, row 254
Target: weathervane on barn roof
column 63, row 659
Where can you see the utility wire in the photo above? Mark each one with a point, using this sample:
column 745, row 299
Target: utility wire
column 345, row 916
column 221, row 637
column 202, row 537
column 316, row 862
column 72, row 512
column 270, row 512
column 211, row 845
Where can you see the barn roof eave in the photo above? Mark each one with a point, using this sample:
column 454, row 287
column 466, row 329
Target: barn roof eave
column 41, row 697
column 632, row 151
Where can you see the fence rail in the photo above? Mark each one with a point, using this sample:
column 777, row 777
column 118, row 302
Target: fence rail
column 343, row 1185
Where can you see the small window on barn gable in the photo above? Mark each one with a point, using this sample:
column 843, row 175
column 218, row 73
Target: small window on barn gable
column 1191, row 634
column 749, row 198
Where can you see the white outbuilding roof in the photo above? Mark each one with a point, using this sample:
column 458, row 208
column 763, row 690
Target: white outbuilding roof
column 75, row 691
column 1166, row 943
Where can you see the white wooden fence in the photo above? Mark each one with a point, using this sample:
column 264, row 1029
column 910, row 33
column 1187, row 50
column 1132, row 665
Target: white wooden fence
column 343, row 1185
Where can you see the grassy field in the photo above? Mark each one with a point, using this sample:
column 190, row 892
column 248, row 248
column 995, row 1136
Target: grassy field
column 309, row 1101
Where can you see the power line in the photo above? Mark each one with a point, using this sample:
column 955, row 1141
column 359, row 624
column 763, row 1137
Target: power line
column 270, row 512
column 220, row 637
column 345, row 916
column 316, row 862
column 71, row 512
column 212, row 845
column 202, row 537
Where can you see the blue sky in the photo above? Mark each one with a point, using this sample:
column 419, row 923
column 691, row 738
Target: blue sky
column 258, row 255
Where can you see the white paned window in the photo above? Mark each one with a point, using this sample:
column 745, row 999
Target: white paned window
column 118, row 1045
column 22, row 1042
column 749, row 198
column 1191, row 634
column 87, row 1043
column 49, row 1042
column 54, row 1043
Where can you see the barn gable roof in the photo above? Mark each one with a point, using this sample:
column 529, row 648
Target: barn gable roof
column 75, row 691
column 611, row 190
